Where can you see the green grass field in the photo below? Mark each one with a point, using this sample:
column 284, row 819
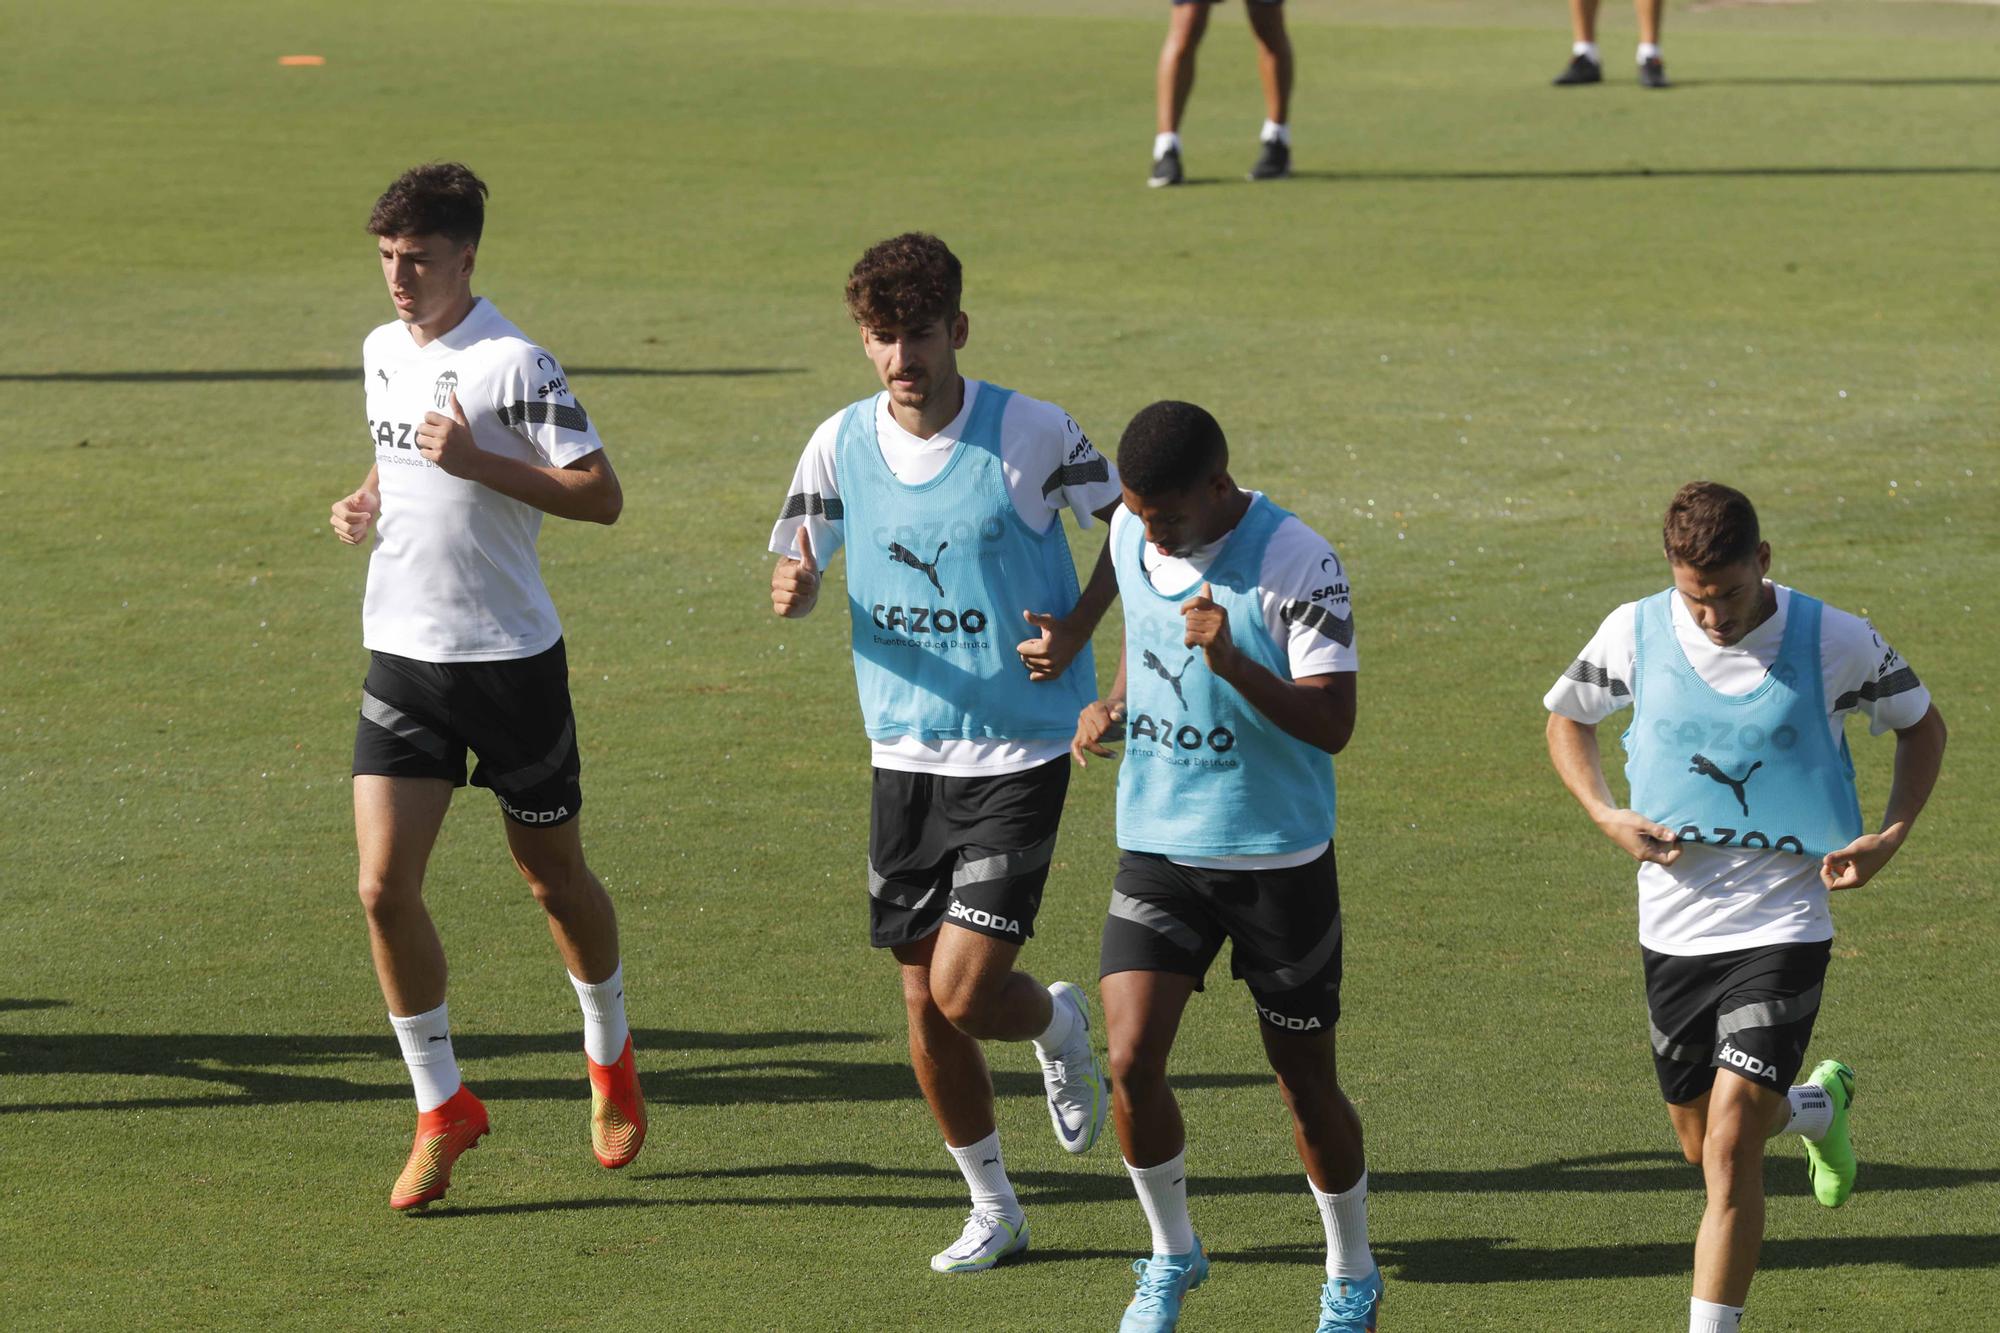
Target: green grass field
column 1478, row 342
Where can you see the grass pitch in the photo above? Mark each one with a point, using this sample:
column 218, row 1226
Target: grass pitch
column 1478, row 341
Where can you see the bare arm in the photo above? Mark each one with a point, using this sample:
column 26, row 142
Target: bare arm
column 1919, row 757
column 1579, row 763
column 1318, row 710
column 1063, row 637
column 353, row 514
column 586, row 490
column 1100, row 721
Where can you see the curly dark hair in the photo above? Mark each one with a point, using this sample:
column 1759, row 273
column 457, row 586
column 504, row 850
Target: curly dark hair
column 1170, row 447
column 1709, row 525
column 905, row 281
column 436, row 199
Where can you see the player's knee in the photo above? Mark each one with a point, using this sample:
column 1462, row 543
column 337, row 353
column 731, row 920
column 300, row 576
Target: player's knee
column 384, row 896
column 1135, row 1067
column 556, row 887
column 970, row 1009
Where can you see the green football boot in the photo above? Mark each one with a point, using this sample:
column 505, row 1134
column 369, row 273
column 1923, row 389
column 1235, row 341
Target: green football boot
column 1830, row 1163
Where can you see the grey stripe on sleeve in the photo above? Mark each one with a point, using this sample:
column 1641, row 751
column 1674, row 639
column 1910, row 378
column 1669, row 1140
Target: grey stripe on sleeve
column 803, row 503
column 1077, row 474
column 1587, row 674
column 1338, row 628
column 1900, row 681
column 564, row 415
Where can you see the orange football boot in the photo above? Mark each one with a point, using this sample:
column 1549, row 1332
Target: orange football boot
column 617, row 1110
column 442, row 1134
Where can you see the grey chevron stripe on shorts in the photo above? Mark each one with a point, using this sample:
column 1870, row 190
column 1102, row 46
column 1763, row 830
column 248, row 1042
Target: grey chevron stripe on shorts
column 1668, row 1049
column 1004, row 865
column 1768, row 1013
column 1156, row 920
column 1299, row 973
column 889, row 891
column 391, row 718
column 538, row 772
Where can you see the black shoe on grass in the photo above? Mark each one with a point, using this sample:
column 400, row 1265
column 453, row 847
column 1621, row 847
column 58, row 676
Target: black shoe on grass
column 1166, row 169
column 1581, row 69
column 1274, row 162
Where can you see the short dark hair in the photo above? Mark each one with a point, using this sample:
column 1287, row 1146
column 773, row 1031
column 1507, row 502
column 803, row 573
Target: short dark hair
column 905, row 281
column 1709, row 525
column 436, row 199
column 1170, row 447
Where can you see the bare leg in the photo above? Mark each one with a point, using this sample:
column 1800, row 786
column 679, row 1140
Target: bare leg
column 1274, row 58
column 581, row 918
column 396, row 823
column 1649, row 12
column 1741, row 1115
column 960, row 986
column 1175, row 79
column 1324, row 1123
column 1583, row 19
column 1142, row 1014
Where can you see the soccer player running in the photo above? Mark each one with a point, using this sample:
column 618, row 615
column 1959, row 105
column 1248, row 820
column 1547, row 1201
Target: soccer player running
column 1175, row 80
column 948, row 494
column 476, row 436
column 1743, row 817
column 1236, row 688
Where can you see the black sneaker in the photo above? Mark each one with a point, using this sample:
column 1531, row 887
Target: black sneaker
column 1582, row 69
column 1273, row 163
column 1166, row 169
column 1653, row 73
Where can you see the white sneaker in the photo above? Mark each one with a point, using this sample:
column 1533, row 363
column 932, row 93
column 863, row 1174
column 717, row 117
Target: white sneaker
column 1076, row 1091
column 988, row 1239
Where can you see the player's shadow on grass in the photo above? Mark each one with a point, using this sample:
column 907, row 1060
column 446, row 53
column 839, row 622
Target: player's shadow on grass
column 1503, row 174
column 1460, row 1260
column 6, row 1005
column 245, row 1069
column 343, row 374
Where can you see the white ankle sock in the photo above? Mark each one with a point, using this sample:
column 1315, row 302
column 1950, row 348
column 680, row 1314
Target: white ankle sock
column 1163, row 1197
column 1273, row 132
column 986, row 1176
column 1648, row 51
column 1588, row 49
column 1164, row 141
column 603, row 1003
column 1708, row 1317
column 426, row 1042
column 1812, row 1111
column 1062, row 1026
column 1345, row 1217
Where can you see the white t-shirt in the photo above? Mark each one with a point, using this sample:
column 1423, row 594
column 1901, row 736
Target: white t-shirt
column 454, row 576
column 1308, row 607
column 1050, row 466
column 1719, row 899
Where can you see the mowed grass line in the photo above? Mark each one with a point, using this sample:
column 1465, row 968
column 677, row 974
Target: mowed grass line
column 1478, row 352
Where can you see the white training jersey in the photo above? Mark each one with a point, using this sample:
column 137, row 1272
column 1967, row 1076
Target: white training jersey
column 1718, row 899
column 1050, row 466
column 454, row 576
column 1308, row 607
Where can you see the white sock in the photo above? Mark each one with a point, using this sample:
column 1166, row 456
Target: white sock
column 1587, row 49
column 1062, row 1026
column 1708, row 1317
column 1812, row 1111
column 1163, row 1197
column 426, row 1042
column 603, row 1002
column 1345, row 1217
column 986, row 1176
column 1648, row 51
column 1273, row 132
column 1163, row 142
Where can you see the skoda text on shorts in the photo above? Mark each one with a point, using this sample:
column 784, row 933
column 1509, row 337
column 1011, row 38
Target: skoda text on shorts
column 476, row 435
column 1743, row 818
